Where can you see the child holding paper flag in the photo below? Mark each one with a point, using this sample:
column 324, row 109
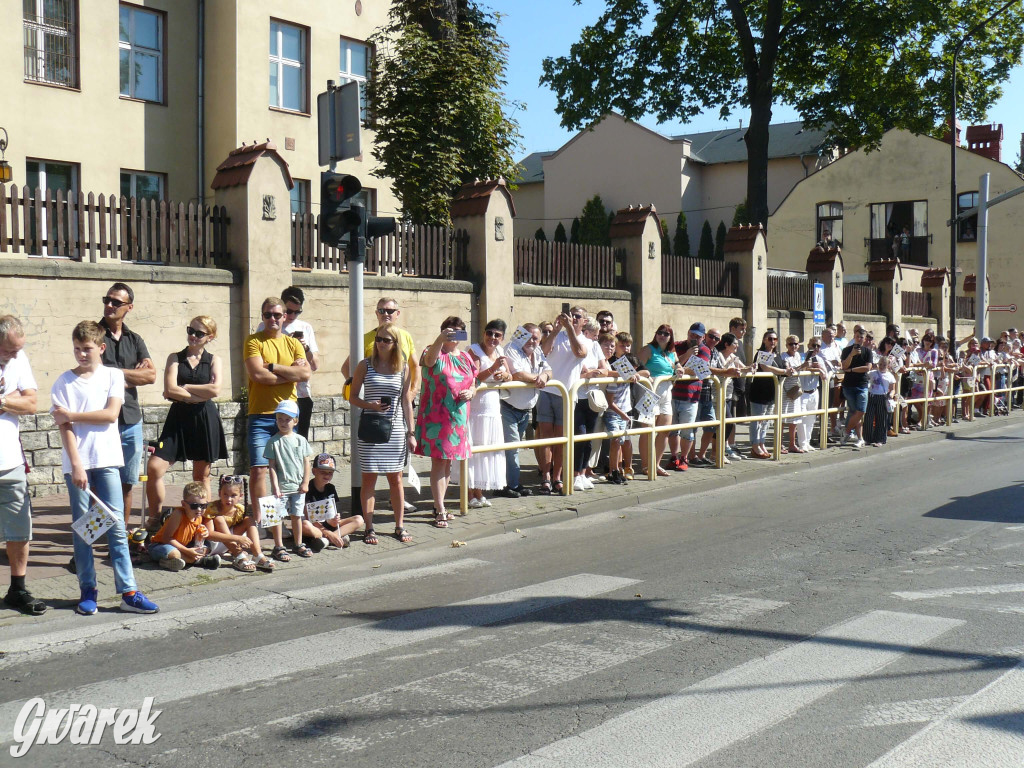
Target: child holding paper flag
column 321, row 491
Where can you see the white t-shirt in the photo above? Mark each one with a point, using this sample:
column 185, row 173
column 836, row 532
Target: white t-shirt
column 879, row 382
column 15, row 376
column 593, row 359
column 565, row 366
column 99, row 445
column 302, row 388
column 525, row 398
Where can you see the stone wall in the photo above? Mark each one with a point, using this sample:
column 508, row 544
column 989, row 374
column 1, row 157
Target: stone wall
column 329, row 431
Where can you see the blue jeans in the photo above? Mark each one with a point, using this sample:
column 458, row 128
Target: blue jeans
column 759, row 429
column 515, row 423
column 106, row 484
column 131, row 447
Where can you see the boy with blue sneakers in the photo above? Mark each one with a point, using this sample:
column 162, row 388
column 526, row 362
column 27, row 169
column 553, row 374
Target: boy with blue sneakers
column 86, row 403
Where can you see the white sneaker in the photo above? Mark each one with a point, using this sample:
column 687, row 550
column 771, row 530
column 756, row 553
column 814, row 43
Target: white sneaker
column 580, row 484
column 859, row 444
column 475, row 503
column 589, row 482
column 484, row 501
column 410, row 507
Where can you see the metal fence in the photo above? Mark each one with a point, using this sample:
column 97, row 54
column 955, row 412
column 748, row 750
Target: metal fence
column 538, row 262
column 691, row 276
column 86, row 228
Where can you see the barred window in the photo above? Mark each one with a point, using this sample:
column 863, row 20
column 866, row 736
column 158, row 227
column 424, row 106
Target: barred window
column 51, row 41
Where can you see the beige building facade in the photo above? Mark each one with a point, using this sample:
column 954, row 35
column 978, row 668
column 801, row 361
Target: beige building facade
column 702, row 174
column 147, row 98
column 866, row 198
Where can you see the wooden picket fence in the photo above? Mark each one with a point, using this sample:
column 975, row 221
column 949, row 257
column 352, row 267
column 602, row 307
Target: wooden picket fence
column 860, row 299
column 690, row 276
column 790, row 292
column 539, row 262
column 916, row 304
column 411, row 251
column 89, row 228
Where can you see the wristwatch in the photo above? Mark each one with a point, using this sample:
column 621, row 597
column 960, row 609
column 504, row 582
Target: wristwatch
column 270, row 367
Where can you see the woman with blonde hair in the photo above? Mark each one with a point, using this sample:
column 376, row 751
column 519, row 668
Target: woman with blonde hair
column 193, row 430
column 381, row 383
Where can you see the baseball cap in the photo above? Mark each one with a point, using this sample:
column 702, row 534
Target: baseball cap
column 288, row 408
column 324, row 461
column 986, row 338
column 697, row 328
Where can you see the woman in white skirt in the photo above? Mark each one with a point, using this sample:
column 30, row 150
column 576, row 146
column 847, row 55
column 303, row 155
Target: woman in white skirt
column 487, row 470
column 792, row 392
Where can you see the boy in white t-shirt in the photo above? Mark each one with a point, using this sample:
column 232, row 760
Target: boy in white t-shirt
column 86, row 402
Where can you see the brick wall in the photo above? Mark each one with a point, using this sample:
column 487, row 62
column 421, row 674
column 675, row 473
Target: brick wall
column 329, row 431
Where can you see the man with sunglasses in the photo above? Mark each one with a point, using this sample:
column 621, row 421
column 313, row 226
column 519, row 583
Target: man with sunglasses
column 293, row 299
column 388, row 312
column 274, row 362
column 127, row 351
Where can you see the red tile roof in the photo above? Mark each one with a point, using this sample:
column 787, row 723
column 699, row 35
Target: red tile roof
column 822, row 260
column 630, row 222
column 472, row 198
column 931, row 278
column 236, row 169
column 742, row 238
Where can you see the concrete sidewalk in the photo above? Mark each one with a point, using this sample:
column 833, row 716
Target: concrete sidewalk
column 51, row 549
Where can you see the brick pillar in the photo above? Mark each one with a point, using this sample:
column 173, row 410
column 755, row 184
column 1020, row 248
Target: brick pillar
column 746, row 246
column 936, row 283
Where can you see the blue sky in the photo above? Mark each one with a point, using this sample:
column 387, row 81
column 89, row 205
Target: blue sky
column 535, row 30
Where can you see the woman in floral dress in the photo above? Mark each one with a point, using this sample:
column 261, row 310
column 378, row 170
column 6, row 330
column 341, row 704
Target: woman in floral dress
column 442, row 431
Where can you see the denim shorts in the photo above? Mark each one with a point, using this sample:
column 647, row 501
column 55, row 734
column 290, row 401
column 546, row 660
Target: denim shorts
column 15, row 508
column 159, row 551
column 615, row 423
column 260, row 429
column 549, row 409
column 684, row 412
column 856, row 398
column 131, row 446
column 706, row 412
column 296, row 503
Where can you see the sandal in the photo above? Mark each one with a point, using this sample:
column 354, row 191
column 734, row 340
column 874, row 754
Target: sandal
column 244, row 564
column 281, row 555
column 402, row 535
column 370, row 537
column 557, row 488
column 302, row 551
column 545, row 488
column 663, row 472
column 265, row 564
column 23, row 601
column 444, row 514
column 439, row 520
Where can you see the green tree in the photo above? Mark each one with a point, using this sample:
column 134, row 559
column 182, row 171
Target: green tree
column 539, row 235
column 706, row 249
column 681, row 241
column 720, row 241
column 741, row 217
column 574, row 231
column 594, row 223
column 435, row 101
column 666, row 241
column 855, row 68
column 560, row 233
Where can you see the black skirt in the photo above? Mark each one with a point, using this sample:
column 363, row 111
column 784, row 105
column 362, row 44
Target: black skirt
column 876, row 419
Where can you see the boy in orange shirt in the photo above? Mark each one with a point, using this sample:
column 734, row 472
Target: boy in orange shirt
column 179, row 542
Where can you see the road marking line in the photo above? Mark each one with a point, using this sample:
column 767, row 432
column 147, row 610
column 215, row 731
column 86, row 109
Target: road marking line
column 119, row 629
column 990, row 589
column 986, row 729
column 903, row 712
column 940, row 548
column 302, row 654
column 698, row 721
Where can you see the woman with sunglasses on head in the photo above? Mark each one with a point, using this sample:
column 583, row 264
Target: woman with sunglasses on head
column 487, row 470
column 192, row 430
column 381, row 383
column 762, row 393
column 659, row 359
column 442, row 423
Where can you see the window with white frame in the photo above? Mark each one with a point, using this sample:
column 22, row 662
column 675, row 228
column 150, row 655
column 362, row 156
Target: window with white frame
column 288, row 48
column 355, row 66
column 49, row 176
column 51, row 41
column 140, row 46
column 299, row 196
column 142, row 185
column 967, row 229
column 830, row 219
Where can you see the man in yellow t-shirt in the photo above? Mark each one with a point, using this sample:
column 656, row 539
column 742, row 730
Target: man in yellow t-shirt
column 274, row 364
column 388, row 312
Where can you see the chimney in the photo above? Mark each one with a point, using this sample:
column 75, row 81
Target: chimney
column 945, row 136
column 986, row 140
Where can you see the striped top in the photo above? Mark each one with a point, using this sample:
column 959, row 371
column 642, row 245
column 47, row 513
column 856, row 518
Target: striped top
column 389, row 456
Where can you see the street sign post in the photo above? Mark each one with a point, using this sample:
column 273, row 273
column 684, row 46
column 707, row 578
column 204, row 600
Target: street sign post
column 338, row 134
column 819, row 308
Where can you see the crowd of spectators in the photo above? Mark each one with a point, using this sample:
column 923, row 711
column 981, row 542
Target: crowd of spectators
column 439, row 402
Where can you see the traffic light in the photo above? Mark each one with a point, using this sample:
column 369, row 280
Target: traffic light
column 340, row 222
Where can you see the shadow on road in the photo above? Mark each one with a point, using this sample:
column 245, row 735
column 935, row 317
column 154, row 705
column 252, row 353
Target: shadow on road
column 999, row 505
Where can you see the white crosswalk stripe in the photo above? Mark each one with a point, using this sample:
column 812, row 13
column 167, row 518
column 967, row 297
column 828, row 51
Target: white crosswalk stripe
column 706, row 717
column 289, row 657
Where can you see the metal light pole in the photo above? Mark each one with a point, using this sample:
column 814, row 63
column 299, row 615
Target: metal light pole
column 954, row 225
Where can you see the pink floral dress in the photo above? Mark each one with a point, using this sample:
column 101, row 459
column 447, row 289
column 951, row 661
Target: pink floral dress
column 442, row 424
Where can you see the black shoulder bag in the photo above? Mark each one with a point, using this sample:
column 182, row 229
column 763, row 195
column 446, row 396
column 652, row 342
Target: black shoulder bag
column 374, row 426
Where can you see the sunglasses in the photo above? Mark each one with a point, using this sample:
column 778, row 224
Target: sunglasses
column 811, row 349
column 195, row 506
column 384, row 340
column 494, row 334
column 295, row 312
column 114, row 302
column 232, row 479
column 383, row 311
column 792, row 343
column 275, row 315
column 605, row 322
column 577, row 317
column 194, row 332
column 714, row 338
column 663, row 333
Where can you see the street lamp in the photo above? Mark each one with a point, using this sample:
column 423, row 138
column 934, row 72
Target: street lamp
column 5, row 169
column 952, row 178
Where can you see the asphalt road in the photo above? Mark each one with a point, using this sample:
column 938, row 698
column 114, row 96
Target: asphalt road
column 856, row 614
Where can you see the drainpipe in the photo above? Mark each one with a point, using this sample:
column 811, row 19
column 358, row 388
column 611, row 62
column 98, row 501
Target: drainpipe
column 200, row 104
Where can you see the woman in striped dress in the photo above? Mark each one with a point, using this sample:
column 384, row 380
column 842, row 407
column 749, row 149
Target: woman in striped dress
column 379, row 384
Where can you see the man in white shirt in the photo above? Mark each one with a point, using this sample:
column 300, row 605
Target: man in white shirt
column 528, row 365
column 293, row 299
column 565, row 349
column 17, row 398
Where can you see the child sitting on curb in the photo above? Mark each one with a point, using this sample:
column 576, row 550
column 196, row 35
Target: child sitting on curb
column 232, row 530
column 179, row 542
column 335, row 529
